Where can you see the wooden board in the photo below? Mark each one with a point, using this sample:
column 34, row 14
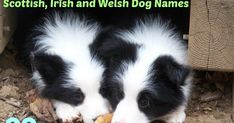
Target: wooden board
column 7, row 20
column 211, row 35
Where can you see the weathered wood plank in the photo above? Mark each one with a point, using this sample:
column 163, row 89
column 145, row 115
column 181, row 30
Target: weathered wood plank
column 211, row 35
column 7, row 20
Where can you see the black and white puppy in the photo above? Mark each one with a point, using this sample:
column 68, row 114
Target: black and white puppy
column 147, row 77
column 64, row 69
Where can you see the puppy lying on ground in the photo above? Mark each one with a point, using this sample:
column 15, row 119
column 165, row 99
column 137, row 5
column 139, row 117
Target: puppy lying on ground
column 64, row 69
column 147, row 78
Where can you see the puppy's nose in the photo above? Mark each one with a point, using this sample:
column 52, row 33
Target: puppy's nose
column 94, row 119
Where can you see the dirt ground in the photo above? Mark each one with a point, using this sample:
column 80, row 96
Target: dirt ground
column 210, row 102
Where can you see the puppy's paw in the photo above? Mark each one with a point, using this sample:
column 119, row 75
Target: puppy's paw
column 76, row 119
column 177, row 117
column 66, row 113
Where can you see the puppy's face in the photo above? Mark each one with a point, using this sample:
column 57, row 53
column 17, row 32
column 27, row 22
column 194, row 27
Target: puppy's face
column 147, row 97
column 72, row 84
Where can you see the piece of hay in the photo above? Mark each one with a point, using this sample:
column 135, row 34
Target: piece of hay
column 104, row 118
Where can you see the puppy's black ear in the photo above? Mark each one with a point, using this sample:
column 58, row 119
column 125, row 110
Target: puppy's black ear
column 50, row 67
column 168, row 69
column 110, row 48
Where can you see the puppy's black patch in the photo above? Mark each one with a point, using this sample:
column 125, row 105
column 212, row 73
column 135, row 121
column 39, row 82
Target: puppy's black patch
column 71, row 95
column 113, row 92
column 164, row 93
column 53, row 71
column 112, row 51
column 51, row 67
column 168, row 69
